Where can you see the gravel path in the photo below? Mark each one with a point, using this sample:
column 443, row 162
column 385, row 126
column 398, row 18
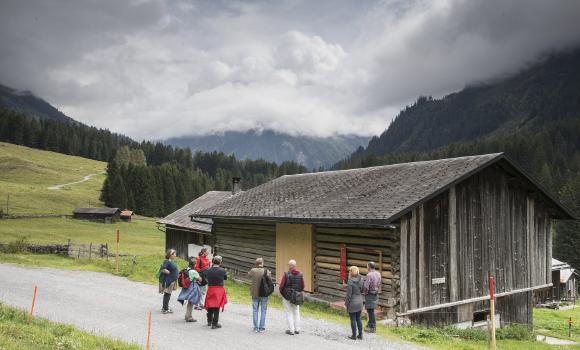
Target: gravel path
column 116, row 307
column 86, row 178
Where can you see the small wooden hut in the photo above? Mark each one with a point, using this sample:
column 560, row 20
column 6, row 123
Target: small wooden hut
column 106, row 215
column 185, row 235
column 564, row 284
column 126, row 215
column 436, row 229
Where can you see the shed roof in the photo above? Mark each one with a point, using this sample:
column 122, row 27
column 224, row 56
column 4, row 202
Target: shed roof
column 375, row 195
column 565, row 275
column 125, row 213
column 96, row 211
column 181, row 217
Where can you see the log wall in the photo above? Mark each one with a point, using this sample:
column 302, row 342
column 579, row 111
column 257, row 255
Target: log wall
column 491, row 222
column 327, row 274
column 240, row 243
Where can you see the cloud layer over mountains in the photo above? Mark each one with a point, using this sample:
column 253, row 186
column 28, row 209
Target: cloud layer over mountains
column 157, row 69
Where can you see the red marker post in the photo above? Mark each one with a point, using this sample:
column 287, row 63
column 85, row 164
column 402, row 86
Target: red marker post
column 117, row 257
column 148, row 346
column 33, row 303
column 492, row 312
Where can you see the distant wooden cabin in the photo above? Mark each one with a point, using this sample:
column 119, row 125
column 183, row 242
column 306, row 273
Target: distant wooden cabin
column 181, row 232
column 126, row 215
column 564, row 284
column 106, row 215
column 435, row 229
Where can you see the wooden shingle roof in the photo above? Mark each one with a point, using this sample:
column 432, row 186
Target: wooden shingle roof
column 181, row 217
column 96, row 211
column 375, row 195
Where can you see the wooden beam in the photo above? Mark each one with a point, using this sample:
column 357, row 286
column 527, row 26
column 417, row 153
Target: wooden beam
column 404, row 263
column 472, row 300
column 453, row 277
column 413, row 261
column 422, row 270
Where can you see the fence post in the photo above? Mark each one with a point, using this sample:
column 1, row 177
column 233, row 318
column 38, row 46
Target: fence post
column 570, row 327
column 90, row 250
column 492, row 312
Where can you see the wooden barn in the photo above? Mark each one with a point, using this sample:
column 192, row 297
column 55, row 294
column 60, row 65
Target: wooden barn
column 185, row 235
column 106, row 215
column 435, row 229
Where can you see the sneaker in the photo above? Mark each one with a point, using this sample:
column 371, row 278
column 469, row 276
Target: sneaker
column 256, row 330
column 296, row 332
column 289, row 332
column 352, row 337
column 191, row 320
column 168, row 311
column 262, row 329
column 216, row 326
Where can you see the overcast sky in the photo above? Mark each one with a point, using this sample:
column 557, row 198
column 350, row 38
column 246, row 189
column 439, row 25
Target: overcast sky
column 156, row 69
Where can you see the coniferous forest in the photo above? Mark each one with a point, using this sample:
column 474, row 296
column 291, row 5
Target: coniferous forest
column 534, row 117
column 151, row 178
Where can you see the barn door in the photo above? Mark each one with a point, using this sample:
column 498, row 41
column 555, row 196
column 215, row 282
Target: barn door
column 294, row 241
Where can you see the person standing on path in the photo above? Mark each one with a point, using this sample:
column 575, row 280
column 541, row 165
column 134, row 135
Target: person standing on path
column 216, row 297
column 371, row 291
column 201, row 264
column 258, row 302
column 167, row 279
column 354, row 301
column 191, row 294
column 291, row 285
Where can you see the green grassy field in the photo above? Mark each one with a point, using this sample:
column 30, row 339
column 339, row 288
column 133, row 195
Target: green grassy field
column 16, row 333
column 139, row 237
column 26, row 174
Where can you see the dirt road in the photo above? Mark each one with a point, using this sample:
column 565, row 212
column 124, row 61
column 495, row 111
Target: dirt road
column 116, row 307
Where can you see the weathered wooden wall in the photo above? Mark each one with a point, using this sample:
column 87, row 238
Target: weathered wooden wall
column 240, row 243
column 491, row 222
column 178, row 239
column 327, row 275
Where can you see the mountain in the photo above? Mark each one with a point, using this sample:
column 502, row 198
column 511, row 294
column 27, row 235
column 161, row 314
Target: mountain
column 26, row 103
column 532, row 116
column 541, row 94
column 313, row 152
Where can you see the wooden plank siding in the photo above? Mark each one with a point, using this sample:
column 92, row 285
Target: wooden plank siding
column 179, row 239
column 488, row 223
column 241, row 242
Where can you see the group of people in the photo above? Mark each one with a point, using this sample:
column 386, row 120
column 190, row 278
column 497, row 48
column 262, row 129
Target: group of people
column 206, row 291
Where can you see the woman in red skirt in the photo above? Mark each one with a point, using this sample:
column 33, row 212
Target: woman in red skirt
column 216, row 297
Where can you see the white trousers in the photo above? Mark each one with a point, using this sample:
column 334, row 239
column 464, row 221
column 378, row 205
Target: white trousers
column 292, row 316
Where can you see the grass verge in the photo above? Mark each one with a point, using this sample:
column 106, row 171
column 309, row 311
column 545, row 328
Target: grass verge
column 16, row 333
column 144, row 268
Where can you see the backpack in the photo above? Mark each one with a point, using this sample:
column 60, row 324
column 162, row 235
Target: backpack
column 292, row 295
column 183, row 278
column 266, row 285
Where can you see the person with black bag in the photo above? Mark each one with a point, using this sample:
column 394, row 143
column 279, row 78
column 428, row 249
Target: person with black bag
column 260, row 289
column 291, row 288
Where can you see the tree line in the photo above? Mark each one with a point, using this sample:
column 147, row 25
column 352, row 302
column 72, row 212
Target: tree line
column 153, row 179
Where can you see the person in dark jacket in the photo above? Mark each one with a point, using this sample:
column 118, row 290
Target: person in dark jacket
column 168, row 272
column 371, row 291
column 291, row 281
column 354, row 301
column 216, row 297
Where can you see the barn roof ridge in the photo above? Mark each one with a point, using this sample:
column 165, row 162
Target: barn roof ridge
column 375, row 195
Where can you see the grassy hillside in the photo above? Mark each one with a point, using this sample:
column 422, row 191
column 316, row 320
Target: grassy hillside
column 26, row 174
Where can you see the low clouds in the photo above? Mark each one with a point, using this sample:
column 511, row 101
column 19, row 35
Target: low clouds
column 158, row 69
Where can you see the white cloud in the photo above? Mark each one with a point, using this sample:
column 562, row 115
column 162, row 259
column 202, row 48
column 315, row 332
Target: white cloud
column 156, row 69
